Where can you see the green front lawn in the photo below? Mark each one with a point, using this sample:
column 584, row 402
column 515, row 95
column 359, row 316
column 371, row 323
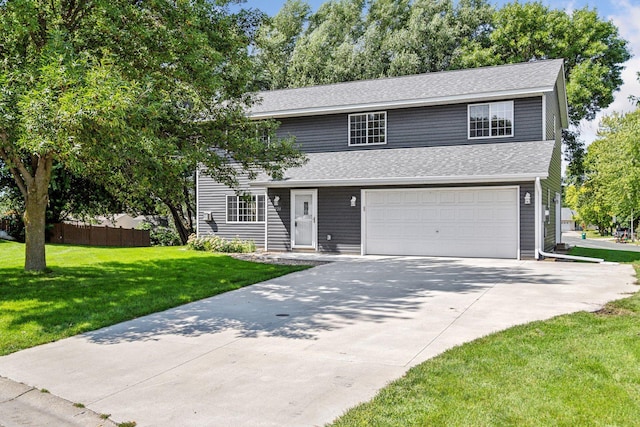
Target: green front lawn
column 630, row 257
column 577, row 369
column 92, row 287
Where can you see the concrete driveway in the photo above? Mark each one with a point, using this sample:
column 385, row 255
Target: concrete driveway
column 301, row 349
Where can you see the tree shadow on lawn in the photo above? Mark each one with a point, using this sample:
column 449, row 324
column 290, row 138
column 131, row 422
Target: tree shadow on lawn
column 71, row 300
column 325, row 298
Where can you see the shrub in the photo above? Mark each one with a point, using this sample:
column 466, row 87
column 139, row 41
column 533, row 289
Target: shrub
column 161, row 236
column 215, row 243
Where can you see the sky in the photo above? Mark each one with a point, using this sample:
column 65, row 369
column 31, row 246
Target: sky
column 625, row 14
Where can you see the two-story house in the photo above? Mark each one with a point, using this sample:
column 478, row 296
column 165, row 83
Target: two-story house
column 460, row 163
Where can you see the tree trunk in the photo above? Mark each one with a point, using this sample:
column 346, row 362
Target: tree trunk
column 183, row 230
column 35, row 216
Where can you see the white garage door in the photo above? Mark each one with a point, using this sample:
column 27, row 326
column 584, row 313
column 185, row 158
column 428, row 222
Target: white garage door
column 460, row 222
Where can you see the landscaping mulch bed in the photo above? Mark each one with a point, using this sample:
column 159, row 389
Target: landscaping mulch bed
column 267, row 258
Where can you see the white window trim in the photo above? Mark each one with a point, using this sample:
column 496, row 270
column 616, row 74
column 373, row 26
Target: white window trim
column 226, row 209
column 367, row 137
column 513, row 125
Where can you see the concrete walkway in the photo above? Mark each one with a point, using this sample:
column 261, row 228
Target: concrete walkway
column 301, row 349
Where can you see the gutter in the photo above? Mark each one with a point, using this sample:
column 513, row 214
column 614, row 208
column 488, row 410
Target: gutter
column 364, row 182
column 539, row 237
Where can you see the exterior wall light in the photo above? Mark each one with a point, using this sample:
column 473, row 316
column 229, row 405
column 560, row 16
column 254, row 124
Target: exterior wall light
column 276, row 201
column 353, row 201
column 527, row 199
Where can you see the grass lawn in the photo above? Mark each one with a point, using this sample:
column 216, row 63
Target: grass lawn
column 594, row 234
column 92, row 287
column 577, row 369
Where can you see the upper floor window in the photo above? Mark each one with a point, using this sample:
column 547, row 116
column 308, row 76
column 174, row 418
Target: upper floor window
column 249, row 208
column 491, row 120
column 368, row 128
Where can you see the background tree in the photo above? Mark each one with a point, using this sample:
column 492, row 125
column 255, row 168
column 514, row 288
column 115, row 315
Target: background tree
column 131, row 93
column 276, row 40
column 612, row 166
column 349, row 40
column 325, row 52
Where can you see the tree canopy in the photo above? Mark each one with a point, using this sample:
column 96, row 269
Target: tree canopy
column 612, row 172
column 132, row 94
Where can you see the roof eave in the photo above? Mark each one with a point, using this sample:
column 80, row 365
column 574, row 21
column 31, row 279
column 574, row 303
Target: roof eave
column 473, row 179
column 562, row 95
column 425, row 102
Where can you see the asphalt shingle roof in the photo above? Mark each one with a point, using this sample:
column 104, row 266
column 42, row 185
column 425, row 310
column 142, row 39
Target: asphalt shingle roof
column 530, row 77
column 498, row 162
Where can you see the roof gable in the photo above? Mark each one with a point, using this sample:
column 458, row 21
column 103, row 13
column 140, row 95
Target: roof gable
column 505, row 81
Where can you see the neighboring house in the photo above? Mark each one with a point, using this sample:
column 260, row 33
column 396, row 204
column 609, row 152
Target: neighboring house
column 459, row 163
column 569, row 219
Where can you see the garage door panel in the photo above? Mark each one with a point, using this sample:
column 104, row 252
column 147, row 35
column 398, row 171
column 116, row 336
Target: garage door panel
column 478, row 222
column 466, row 214
column 447, row 197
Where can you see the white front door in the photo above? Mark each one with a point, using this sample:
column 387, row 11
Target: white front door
column 303, row 218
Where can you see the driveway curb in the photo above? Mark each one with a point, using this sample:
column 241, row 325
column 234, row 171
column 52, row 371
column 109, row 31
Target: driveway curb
column 26, row 406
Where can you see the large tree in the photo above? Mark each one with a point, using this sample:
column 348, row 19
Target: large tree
column 276, row 40
column 357, row 39
column 133, row 94
column 612, row 171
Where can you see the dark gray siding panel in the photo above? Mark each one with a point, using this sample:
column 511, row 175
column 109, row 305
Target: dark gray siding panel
column 550, row 187
column 317, row 133
column 212, row 197
column 411, row 127
column 552, row 112
column 527, row 120
column 527, row 221
column 279, row 217
column 336, row 217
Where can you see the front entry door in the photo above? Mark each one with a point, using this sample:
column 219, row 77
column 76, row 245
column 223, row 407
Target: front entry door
column 303, row 218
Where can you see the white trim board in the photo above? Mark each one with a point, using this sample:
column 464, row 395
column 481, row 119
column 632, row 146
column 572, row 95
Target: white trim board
column 485, row 179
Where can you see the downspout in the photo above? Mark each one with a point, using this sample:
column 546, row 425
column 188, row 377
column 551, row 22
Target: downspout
column 539, row 236
column 198, row 201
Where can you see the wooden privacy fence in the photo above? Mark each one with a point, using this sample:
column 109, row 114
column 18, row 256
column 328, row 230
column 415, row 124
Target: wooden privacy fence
column 98, row 236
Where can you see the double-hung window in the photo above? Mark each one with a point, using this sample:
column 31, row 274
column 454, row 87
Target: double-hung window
column 491, row 120
column 368, row 128
column 247, row 208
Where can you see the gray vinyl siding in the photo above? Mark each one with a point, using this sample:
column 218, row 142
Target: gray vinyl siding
column 550, row 187
column 527, row 222
column 338, row 218
column 552, row 110
column 279, row 218
column 212, row 197
column 411, row 127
